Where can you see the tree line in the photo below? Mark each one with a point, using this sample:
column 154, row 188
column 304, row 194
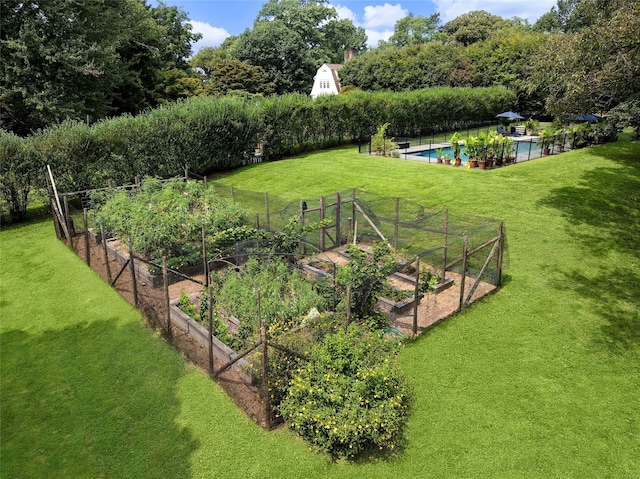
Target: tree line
column 89, row 60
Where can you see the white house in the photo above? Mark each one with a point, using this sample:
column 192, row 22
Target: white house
column 326, row 81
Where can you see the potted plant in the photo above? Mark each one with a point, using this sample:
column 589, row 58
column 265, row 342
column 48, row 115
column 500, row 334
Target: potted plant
column 547, row 137
column 471, row 145
column 380, row 143
column 455, row 144
column 560, row 134
column 447, row 159
column 531, row 126
column 509, row 150
column 439, row 155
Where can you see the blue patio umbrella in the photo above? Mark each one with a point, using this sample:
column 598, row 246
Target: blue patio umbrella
column 511, row 115
column 587, row 117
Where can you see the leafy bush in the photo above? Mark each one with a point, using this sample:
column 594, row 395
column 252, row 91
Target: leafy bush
column 18, row 174
column 200, row 313
column 350, row 397
column 286, row 296
column 367, row 278
column 165, row 219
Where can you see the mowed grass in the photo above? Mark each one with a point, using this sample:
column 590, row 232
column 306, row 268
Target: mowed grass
column 541, row 379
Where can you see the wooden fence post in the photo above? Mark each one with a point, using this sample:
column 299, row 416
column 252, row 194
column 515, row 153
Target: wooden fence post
column 265, row 365
column 167, row 299
column 210, row 318
column 397, row 221
column 86, row 236
column 133, row 275
column 500, row 253
column 205, row 266
column 266, row 207
column 322, row 229
column 106, row 254
column 463, row 278
column 444, row 246
column 416, row 298
column 338, row 241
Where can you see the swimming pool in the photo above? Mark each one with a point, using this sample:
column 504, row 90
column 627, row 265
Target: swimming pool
column 524, row 150
column 432, row 153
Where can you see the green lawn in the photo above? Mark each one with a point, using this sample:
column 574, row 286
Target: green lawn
column 541, row 379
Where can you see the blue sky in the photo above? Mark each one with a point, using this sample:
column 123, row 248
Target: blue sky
column 217, row 19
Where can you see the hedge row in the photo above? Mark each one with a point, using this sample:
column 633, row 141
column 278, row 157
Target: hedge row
column 210, row 134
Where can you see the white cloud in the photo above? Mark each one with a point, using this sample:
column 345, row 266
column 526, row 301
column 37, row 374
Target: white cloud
column 211, row 36
column 377, row 20
column 381, row 16
column 345, row 13
column 374, row 36
column 531, row 10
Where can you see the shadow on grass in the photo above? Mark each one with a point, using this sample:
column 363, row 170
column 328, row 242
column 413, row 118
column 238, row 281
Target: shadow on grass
column 604, row 213
column 73, row 405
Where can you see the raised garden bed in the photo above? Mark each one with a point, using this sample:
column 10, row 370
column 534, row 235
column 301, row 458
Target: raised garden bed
column 117, row 250
column 222, row 353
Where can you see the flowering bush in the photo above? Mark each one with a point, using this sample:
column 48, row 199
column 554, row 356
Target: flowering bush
column 350, row 397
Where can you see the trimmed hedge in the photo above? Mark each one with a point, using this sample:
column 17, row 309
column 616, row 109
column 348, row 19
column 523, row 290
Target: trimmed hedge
column 210, row 134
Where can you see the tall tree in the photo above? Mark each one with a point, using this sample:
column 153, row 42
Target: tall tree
column 594, row 69
column 280, row 52
column 84, row 59
column 290, row 39
column 418, row 30
column 474, row 26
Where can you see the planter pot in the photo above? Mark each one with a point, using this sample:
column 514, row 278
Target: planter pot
column 447, row 162
column 546, row 151
column 482, row 164
column 458, row 161
column 473, row 163
column 439, row 160
column 559, row 148
column 489, row 162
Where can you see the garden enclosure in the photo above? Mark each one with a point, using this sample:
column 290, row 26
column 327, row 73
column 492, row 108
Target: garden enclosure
column 464, row 252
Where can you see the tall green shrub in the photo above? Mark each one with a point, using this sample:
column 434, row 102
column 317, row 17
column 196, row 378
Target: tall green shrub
column 19, row 169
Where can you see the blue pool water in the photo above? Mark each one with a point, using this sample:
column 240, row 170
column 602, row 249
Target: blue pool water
column 447, row 151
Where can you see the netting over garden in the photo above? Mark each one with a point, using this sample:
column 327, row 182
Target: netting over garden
column 356, row 216
column 254, row 287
